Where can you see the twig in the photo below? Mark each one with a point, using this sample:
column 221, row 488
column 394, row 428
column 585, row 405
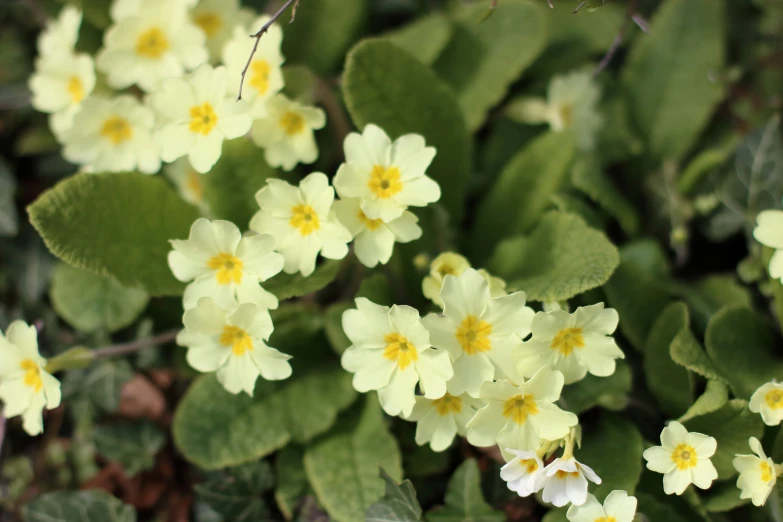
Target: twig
column 632, row 16
column 550, row 4
column 260, row 33
column 116, row 350
column 640, row 22
column 580, row 6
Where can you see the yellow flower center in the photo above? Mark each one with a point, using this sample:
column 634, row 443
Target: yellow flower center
column 473, row 335
column 152, row 43
column 228, row 268
column 292, row 123
column 605, row 519
column 75, row 89
column 32, row 374
column 259, row 80
column 446, row 269
column 305, row 219
column 447, row 404
column 774, row 399
column 530, row 465
column 561, row 474
column 684, row 456
column 567, row 115
column 238, row 339
column 194, row 185
column 567, row 339
column 369, row 224
column 117, row 130
column 766, row 472
column 203, row 118
column 209, row 22
column 518, row 407
column 400, row 350
column 385, row 181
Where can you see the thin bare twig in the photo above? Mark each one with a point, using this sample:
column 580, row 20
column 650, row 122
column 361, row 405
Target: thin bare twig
column 632, row 16
column 116, row 350
column 640, row 22
column 550, row 4
column 261, row 32
column 580, row 6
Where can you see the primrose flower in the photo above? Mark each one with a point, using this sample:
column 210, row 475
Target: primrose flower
column 286, row 133
column 373, row 239
column 302, row 222
column 524, row 472
column 224, row 265
column 198, row 116
column 154, row 42
column 25, row 387
column 618, row 507
column 440, row 420
column 188, row 183
column 233, row 344
column 121, row 9
column 387, row 177
column 451, row 263
column 683, row 458
column 768, row 401
column 769, row 232
column 113, row 135
column 479, row 333
column 391, row 353
column 60, row 35
column 520, row 417
column 217, row 19
column 566, row 481
column 758, row 474
column 574, row 343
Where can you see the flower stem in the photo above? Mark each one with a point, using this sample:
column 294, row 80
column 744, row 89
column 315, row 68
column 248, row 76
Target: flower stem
column 117, row 350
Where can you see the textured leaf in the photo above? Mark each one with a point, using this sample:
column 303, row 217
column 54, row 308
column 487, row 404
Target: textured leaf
column 561, row 258
column 589, row 177
column 686, row 351
column 464, row 499
column 30, row 262
column 235, row 493
column 286, row 286
column 104, row 383
column 655, row 510
column 399, row 504
column 9, row 220
column 115, row 224
column 342, row 466
column 377, row 289
column 81, row 506
column 610, row 392
column 291, row 479
column 386, row 86
column 711, row 293
column 724, row 496
column 667, row 76
column 132, row 444
column 424, row 38
column 715, row 396
column 89, row 302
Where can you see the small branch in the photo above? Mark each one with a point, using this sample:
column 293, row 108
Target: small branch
column 117, row 350
column 260, row 33
column 632, row 16
column 580, row 6
column 640, row 22
column 550, row 4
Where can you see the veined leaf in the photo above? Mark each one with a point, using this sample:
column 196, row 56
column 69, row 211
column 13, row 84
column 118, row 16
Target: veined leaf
column 399, row 504
column 286, row 286
column 424, row 38
column 235, row 493
column 464, row 499
column 84, row 506
column 132, row 444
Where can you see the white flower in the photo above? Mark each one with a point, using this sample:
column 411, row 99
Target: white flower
column 683, row 458
column 758, row 474
column 574, row 343
column 451, row 263
column 264, row 78
column 232, row 344
column 388, row 177
column 302, row 222
column 768, row 401
column 618, row 507
column 479, row 333
column 188, row 183
column 286, row 132
column 769, row 232
column 113, row 135
column 391, row 353
column 121, row 9
column 157, row 41
column 25, row 387
column 224, row 265
column 440, row 420
column 198, row 116
column 520, row 417
column 524, row 472
column 373, row 239
column 566, row 481
column 217, row 19
column 60, row 35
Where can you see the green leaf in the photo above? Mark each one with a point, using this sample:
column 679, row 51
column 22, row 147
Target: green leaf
column 484, row 58
column 562, row 257
column 593, row 34
column 333, row 327
column 342, row 466
column 399, row 504
column 95, row 11
column 655, row 510
column 103, row 383
column 89, row 302
column 286, row 286
column 215, row 429
column 741, row 345
column 667, row 75
column 555, row 515
column 589, row 177
column 300, row 85
column 386, row 86
column 377, row 289
column 669, row 382
column 31, row 263
column 613, row 448
column 610, row 392
column 424, row 38
column 132, row 444
column 235, row 493
column 84, row 506
column 703, row 164
column 464, row 500
column 574, row 203
column 291, row 479
column 686, row 351
column 115, row 224
column 521, row 194
column 9, row 220
column 715, row 396
column 723, row 496
column 711, row 293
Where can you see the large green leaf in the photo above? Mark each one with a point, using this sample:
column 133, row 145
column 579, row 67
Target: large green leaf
column 84, row 506
column 132, row 444
column 9, row 220
column 115, row 224
column 399, row 503
column 424, row 38
column 667, row 76
column 291, row 479
column 464, row 499
column 521, row 194
column 387, row 86
column 561, row 258
column 589, row 177
column 724, row 496
column 89, row 302
column 610, row 392
column 654, row 510
column 711, row 293
column 286, row 286
column 214, row 429
column 686, row 351
column 715, row 396
column 235, row 493
column 484, row 57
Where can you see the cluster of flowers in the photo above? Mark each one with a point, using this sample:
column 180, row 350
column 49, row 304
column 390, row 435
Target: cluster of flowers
column 176, row 100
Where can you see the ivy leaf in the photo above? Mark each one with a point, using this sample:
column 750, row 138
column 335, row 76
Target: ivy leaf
column 424, row 38
column 610, row 392
column 132, row 444
column 715, row 396
column 286, row 286
column 342, row 466
column 399, row 504
column 235, row 493
column 589, row 177
column 115, row 225
column 84, row 506
column 9, row 220
column 464, row 500
column 387, row 86
column 561, row 258
column 291, row 479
